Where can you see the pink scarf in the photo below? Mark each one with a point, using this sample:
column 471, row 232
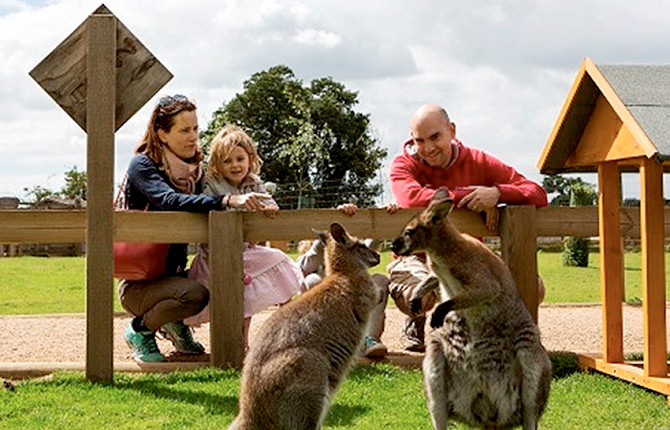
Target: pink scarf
column 183, row 175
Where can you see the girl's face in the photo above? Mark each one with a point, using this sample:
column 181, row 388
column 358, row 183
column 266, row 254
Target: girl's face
column 182, row 139
column 235, row 166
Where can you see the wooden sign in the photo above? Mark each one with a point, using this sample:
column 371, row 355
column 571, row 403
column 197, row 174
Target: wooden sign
column 139, row 75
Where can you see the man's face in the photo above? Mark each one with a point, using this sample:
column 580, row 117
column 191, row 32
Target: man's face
column 432, row 136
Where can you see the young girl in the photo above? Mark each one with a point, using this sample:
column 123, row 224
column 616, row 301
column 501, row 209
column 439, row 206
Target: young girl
column 270, row 276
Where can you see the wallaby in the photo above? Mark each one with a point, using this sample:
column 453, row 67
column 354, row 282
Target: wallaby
column 305, row 349
column 484, row 365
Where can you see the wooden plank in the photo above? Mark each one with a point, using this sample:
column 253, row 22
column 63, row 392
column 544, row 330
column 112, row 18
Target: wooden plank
column 628, row 372
column 139, row 75
column 226, row 303
column 57, row 226
column 101, row 90
column 611, row 261
column 653, row 268
column 518, row 242
column 158, row 226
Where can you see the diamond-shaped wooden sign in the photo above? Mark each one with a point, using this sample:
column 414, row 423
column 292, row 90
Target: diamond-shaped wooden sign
column 139, row 75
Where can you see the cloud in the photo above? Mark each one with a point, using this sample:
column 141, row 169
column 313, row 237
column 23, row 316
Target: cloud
column 501, row 68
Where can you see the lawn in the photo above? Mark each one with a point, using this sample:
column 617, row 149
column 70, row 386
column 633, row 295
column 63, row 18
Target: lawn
column 379, row 396
column 48, row 285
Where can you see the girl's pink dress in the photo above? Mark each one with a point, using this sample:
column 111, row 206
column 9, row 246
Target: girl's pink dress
column 270, row 278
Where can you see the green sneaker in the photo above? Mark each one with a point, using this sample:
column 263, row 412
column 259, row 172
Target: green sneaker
column 143, row 345
column 182, row 339
column 373, row 348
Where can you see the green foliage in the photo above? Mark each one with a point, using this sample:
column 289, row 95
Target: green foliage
column 576, row 251
column 565, row 188
column 317, row 149
column 37, row 193
column 75, row 184
column 575, row 192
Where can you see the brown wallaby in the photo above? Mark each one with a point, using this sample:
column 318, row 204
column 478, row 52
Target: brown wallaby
column 484, row 365
column 305, row 349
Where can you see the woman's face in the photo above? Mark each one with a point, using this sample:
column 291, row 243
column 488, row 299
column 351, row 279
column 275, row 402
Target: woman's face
column 235, row 166
column 182, row 139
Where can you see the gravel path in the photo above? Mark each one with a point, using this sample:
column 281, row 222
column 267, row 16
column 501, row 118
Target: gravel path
column 61, row 338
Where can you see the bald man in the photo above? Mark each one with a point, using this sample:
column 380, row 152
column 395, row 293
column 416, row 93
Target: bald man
column 433, row 157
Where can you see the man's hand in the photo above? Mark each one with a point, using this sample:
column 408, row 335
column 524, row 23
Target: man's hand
column 480, row 198
column 348, row 209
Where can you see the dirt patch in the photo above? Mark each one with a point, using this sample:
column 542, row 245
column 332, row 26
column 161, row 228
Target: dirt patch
column 62, row 338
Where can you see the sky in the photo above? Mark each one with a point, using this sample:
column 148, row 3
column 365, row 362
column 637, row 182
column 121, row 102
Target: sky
column 502, row 68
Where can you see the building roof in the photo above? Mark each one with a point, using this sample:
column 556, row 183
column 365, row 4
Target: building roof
column 613, row 112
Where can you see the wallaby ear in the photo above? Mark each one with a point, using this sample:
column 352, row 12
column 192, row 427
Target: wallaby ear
column 321, row 234
column 338, row 233
column 442, row 193
column 440, row 209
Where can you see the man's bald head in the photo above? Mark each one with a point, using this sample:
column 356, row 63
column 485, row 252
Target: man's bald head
column 432, row 133
column 429, row 111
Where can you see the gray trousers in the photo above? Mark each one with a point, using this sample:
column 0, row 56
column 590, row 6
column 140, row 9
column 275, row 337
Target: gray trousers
column 162, row 300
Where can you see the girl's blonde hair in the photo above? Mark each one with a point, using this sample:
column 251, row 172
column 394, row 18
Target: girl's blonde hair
column 230, row 137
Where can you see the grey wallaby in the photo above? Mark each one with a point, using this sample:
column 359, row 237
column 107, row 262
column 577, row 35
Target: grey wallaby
column 485, row 365
column 305, row 349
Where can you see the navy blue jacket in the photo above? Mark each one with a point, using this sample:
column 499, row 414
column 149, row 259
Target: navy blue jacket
column 149, row 185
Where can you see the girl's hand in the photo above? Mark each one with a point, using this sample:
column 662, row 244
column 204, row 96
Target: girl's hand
column 392, row 208
column 271, row 211
column 348, row 209
column 249, row 201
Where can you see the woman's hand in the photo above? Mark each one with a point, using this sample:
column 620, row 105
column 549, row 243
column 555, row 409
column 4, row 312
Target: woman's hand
column 271, row 211
column 249, row 201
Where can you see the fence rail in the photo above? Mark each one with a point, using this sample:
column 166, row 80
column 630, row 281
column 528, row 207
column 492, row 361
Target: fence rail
column 225, row 231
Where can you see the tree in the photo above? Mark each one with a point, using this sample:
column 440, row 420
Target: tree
column 315, row 146
column 75, row 184
column 36, row 193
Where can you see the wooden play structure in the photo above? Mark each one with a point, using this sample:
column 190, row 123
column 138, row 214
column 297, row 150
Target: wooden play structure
column 617, row 118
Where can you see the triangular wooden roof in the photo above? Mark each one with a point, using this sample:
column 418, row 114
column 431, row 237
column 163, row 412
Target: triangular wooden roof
column 612, row 113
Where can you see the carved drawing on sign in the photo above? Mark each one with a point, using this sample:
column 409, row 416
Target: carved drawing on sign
column 139, row 75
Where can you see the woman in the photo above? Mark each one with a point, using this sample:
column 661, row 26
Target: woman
column 166, row 175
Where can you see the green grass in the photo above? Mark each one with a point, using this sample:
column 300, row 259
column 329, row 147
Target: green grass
column 373, row 397
column 48, row 285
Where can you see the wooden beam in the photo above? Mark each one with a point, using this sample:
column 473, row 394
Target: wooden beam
column 100, row 127
column 653, row 268
column 605, row 138
column 518, row 242
column 226, row 300
column 628, row 372
column 611, row 261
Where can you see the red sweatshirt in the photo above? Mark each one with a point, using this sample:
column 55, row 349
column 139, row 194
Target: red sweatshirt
column 414, row 182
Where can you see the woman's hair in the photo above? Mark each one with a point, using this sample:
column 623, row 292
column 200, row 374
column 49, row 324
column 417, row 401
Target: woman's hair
column 230, row 137
column 163, row 118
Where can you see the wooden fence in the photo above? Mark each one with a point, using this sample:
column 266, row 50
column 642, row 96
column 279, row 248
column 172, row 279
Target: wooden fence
column 225, row 232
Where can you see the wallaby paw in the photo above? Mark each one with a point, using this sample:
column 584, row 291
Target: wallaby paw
column 441, row 311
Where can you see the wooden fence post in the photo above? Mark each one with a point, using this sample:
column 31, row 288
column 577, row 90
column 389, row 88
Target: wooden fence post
column 518, row 243
column 226, row 300
column 653, row 268
column 611, row 260
column 100, row 126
